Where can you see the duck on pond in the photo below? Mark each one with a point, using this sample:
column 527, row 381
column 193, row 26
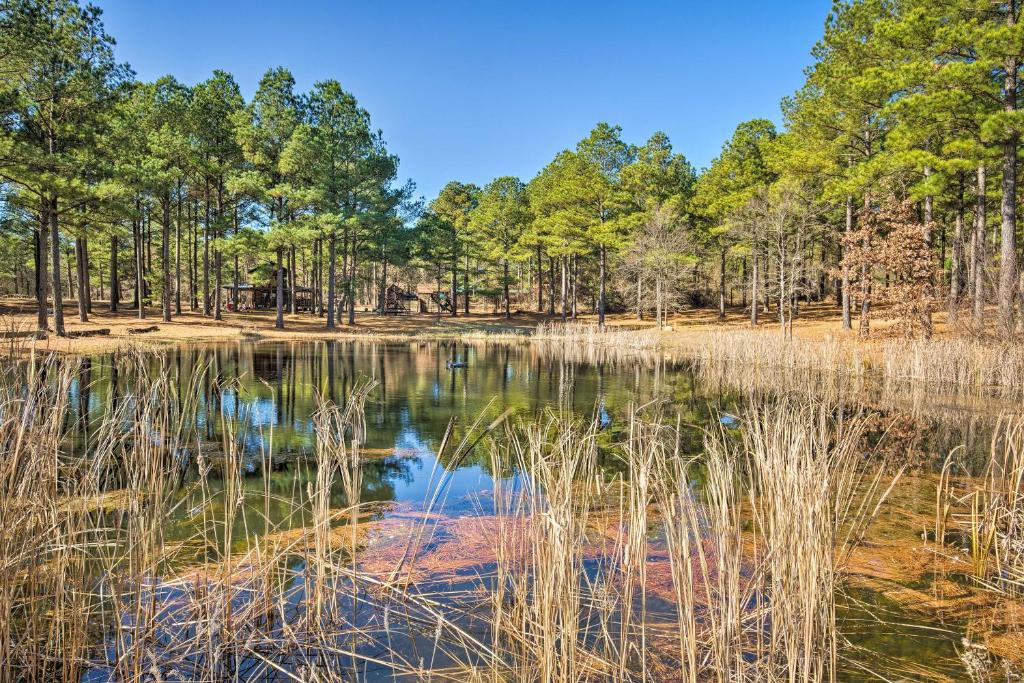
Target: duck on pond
column 453, row 364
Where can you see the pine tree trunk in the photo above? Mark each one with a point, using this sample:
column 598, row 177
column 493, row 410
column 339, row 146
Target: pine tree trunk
column 88, row 275
column 331, row 265
column 83, row 289
column 193, row 255
column 455, row 291
column 206, row 252
column 70, row 276
column 601, row 285
column 822, row 278
column 279, row 324
column 848, row 229
column 508, row 313
column 218, row 258
column 437, row 288
column 236, row 273
column 865, row 300
column 58, row 303
column 42, row 277
column 177, row 260
column 956, row 274
column 318, row 277
column 765, row 293
column 115, row 283
column 165, row 258
column 291, row 272
column 352, row 284
column 140, row 266
column 743, row 280
column 574, row 275
column 979, row 250
column 1008, row 209
column 837, row 281
column 929, row 216
column 540, row 281
column 721, row 285
column 754, row 303
column 565, row 289
column 465, row 285
column 865, row 283
column 551, row 285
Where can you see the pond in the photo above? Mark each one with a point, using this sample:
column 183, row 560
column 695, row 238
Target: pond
column 258, row 401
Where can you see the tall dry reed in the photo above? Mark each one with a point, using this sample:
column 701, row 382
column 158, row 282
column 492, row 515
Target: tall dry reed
column 591, row 334
column 759, row 604
column 988, row 511
column 755, row 551
column 957, row 362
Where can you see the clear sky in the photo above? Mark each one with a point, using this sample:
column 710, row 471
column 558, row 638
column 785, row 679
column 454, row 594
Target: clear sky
column 473, row 90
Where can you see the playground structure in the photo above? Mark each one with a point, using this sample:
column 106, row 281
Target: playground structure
column 397, row 301
column 442, row 300
column 433, row 299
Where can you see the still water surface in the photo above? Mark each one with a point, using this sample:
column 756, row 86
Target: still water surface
column 265, row 395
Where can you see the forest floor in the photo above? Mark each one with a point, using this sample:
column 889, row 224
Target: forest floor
column 18, row 316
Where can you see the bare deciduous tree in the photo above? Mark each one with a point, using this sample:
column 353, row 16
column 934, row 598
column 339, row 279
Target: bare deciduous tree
column 658, row 259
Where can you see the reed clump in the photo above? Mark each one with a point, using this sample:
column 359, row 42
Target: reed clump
column 767, row 611
column 754, row 554
column 952, row 364
column 997, row 367
column 186, row 577
column 592, row 334
column 771, row 349
column 988, row 511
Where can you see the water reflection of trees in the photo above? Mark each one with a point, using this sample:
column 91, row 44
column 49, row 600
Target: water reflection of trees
column 238, row 383
column 268, row 391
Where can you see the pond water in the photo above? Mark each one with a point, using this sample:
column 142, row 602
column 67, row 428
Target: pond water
column 264, row 395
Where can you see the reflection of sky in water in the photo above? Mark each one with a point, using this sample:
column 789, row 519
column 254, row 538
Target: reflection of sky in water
column 257, row 412
column 459, row 486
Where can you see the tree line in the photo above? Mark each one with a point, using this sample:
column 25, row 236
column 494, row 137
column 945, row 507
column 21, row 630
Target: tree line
column 891, row 181
column 169, row 192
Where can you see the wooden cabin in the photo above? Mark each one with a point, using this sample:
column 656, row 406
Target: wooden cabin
column 264, row 297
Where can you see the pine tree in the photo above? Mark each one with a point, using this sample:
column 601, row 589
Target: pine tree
column 499, row 222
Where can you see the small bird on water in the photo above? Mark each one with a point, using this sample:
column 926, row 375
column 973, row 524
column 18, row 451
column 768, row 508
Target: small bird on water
column 453, row 364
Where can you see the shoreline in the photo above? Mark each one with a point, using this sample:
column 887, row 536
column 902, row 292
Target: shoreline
column 17, row 317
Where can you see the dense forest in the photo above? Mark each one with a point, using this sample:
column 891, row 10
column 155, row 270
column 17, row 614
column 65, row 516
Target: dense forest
column 892, row 182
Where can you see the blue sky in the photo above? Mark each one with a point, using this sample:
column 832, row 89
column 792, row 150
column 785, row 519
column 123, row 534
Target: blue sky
column 473, row 90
